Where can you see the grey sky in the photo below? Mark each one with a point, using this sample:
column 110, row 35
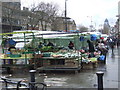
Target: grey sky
column 82, row 10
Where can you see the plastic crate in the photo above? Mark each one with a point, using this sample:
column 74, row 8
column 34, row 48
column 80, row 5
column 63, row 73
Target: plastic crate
column 28, row 52
column 46, row 54
column 15, row 55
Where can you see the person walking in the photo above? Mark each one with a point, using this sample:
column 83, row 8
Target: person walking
column 118, row 42
column 112, row 45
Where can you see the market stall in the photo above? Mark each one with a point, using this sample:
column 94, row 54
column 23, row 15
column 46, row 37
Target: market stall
column 59, row 56
column 89, row 56
column 61, row 60
column 13, row 55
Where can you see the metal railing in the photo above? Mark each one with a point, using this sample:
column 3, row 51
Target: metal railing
column 18, row 84
column 32, row 85
column 29, row 86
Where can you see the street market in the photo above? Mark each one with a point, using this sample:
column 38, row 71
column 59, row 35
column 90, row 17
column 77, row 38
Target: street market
column 50, row 58
column 59, row 44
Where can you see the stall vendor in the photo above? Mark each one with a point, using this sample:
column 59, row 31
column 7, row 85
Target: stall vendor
column 91, row 48
column 11, row 42
column 40, row 45
column 4, row 43
column 71, row 45
column 50, row 44
column 11, row 49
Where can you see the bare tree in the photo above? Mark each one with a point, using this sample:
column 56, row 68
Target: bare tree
column 46, row 13
column 30, row 18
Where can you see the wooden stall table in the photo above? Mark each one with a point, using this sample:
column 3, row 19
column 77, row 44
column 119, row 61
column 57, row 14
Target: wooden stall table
column 59, row 64
column 90, row 64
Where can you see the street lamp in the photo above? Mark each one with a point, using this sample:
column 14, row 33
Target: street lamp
column 91, row 26
column 65, row 15
column 101, row 28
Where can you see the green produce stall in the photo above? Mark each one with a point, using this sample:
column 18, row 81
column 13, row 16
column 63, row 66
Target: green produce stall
column 64, row 41
column 60, row 57
column 18, row 56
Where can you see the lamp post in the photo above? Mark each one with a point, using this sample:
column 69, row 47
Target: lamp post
column 91, row 26
column 101, row 28
column 66, row 15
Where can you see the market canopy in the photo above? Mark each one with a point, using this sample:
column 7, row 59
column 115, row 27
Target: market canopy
column 15, row 33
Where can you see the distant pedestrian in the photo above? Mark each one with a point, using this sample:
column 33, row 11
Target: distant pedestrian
column 112, row 45
column 118, row 42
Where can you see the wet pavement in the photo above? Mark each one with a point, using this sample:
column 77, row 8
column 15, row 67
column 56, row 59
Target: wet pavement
column 84, row 79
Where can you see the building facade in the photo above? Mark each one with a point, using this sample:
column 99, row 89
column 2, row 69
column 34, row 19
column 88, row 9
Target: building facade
column 13, row 18
column 60, row 24
column 107, row 28
column 118, row 20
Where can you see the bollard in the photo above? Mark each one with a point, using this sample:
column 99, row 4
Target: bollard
column 100, row 80
column 18, row 85
column 32, row 76
column 8, row 70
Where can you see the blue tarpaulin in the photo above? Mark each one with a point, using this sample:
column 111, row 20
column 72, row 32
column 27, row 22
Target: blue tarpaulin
column 93, row 37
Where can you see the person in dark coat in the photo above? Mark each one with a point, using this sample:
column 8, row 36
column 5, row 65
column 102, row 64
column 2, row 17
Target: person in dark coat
column 71, row 45
column 112, row 45
column 40, row 45
column 50, row 44
column 91, row 48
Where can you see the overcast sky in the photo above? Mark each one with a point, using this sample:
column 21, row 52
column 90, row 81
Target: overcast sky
column 83, row 11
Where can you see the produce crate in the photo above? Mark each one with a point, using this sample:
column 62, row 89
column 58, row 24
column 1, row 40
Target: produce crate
column 90, row 65
column 38, row 55
column 28, row 52
column 3, row 55
column 15, row 55
column 46, row 54
column 27, row 55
